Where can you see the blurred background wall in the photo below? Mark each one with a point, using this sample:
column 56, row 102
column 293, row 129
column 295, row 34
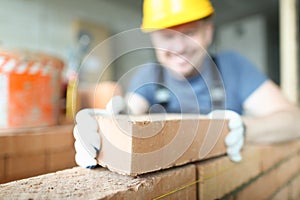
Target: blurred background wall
column 250, row 27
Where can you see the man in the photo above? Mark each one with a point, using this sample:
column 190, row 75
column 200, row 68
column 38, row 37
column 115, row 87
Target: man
column 186, row 80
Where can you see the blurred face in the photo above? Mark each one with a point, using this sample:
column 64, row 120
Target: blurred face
column 182, row 48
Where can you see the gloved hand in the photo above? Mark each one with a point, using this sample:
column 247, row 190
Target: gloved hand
column 87, row 138
column 234, row 141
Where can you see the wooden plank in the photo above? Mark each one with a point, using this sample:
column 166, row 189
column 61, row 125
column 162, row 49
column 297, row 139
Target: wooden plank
column 289, row 49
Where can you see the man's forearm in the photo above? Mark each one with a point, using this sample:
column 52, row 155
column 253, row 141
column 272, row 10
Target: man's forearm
column 278, row 127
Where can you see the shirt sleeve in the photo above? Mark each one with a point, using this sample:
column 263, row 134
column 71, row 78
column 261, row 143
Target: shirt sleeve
column 242, row 75
column 251, row 78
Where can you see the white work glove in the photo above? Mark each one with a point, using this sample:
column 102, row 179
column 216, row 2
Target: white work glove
column 234, row 141
column 87, row 138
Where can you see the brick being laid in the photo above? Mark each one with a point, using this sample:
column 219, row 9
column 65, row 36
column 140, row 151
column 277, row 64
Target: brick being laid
column 135, row 145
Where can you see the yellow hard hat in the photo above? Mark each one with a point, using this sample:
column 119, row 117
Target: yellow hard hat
column 159, row 14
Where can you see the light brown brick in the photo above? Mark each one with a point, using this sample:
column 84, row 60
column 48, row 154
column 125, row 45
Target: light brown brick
column 177, row 183
column 24, row 141
column 59, row 138
column 5, row 145
column 27, row 143
column 257, row 190
column 59, row 160
column 20, row 143
column 221, row 176
column 273, row 180
column 79, row 183
column 138, row 144
column 2, row 172
column 272, row 154
column 282, row 194
column 25, row 166
column 295, row 188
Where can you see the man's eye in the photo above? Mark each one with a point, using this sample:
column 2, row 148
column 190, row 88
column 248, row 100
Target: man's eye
column 190, row 33
column 168, row 36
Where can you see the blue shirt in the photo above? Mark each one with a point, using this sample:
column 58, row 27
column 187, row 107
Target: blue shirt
column 193, row 95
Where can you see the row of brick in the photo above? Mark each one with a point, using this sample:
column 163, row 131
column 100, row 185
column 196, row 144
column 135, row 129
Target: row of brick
column 35, row 139
column 289, row 191
column 249, row 179
column 266, row 172
column 30, row 152
column 259, row 166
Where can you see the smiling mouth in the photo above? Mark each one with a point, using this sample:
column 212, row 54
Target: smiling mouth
column 180, row 60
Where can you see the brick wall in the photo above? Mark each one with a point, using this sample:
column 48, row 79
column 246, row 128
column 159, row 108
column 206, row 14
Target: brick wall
column 266, row 172
column 29, row 152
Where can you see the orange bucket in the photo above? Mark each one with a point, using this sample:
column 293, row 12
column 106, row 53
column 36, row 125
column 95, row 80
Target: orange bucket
column 30, row 86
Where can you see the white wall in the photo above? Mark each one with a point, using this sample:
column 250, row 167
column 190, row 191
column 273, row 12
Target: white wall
column 246, row 36
column 46, row 24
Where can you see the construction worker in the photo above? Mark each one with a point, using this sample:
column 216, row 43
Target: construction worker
column 187, row 80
